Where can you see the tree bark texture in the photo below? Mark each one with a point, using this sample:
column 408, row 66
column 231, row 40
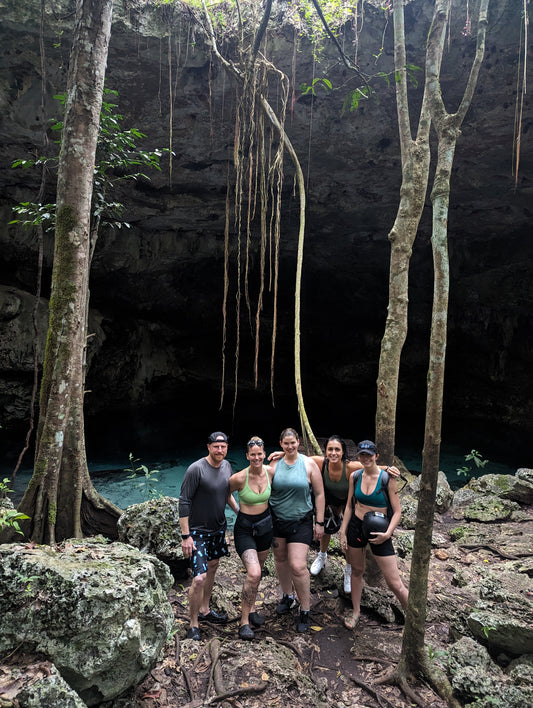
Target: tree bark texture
column 415, row 155
column 447, row 126
column 60, row 485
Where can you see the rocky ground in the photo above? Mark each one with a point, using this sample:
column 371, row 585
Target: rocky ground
column 479, row 625
column 343, row 666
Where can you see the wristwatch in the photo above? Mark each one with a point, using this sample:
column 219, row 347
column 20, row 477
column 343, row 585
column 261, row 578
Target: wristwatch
column 185, row 536
column 319, row 523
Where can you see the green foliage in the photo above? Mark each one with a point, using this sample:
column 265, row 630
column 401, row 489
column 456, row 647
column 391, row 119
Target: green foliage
column 487, row 630
column 437, row 656
column 305, row 88
column 353, row 99
column 147, row 477
column 475, row 457
column 117, row 159
column 9, row 518
column 4, row 488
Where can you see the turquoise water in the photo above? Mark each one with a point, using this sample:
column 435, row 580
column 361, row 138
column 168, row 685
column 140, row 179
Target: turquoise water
column 113, row 481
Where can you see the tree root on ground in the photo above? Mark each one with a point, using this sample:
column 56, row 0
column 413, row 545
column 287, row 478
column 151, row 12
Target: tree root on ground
column 380, row 699
column 435, row 678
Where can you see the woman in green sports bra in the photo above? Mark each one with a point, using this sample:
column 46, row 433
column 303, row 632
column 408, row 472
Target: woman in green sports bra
column 253, row 528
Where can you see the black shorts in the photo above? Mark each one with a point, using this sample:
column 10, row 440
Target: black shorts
column 357, row 539
column 246, row 536
column 209, row 546
column 294, row 530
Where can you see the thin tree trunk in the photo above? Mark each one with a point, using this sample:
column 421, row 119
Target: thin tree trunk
column 414, row 659
column 415, row 156
column 60, row 480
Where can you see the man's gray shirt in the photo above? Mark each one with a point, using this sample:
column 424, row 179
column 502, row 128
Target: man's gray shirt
column 203, row 496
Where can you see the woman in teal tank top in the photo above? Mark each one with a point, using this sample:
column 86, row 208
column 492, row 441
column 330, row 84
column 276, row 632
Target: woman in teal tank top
column 253, row 528
column 292, row 509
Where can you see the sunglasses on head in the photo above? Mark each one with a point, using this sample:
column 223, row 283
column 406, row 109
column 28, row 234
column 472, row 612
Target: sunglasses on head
column 255, row 441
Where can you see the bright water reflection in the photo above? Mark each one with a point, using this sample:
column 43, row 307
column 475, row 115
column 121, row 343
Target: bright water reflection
column 112, row 480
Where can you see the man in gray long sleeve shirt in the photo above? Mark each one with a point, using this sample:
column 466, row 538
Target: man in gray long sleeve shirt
column 203, row 498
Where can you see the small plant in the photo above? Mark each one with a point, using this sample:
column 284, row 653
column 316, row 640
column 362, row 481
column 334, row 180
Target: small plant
column 487, row 630
column 146, row 484
column 437, row 656
column 4, row 488
column 475, row 457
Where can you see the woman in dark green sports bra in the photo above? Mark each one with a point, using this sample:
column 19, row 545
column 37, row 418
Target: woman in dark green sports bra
column 253, row 528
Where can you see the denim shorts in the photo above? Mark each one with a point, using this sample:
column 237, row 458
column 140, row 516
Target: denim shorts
column 209, row 546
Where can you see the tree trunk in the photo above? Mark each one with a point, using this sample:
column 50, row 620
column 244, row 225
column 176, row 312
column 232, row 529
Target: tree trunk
column 415, row 157
column 414, row 659
column 60, row 488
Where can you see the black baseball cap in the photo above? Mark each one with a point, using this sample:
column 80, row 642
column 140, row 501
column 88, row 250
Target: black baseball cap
column 367, row 446
column 217, row 437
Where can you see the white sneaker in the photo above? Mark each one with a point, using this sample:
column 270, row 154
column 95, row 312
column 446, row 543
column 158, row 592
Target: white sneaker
column 348, row 578
column 319, row 563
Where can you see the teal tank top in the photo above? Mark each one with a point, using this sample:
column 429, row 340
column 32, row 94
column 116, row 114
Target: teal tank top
column 290, row 497
column 377, row 498
column 251, row 498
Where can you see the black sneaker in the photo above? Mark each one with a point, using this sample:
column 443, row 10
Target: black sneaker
column 214, row 617
column 246, row 632
column 256, row 619
column 304, row 622
column 286, row 603
column 193, row 633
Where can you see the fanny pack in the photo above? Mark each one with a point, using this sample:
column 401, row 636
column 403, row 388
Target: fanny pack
column 263, row 526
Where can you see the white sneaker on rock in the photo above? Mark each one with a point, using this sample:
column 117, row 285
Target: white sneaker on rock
column 348, row 578
column 318, row 564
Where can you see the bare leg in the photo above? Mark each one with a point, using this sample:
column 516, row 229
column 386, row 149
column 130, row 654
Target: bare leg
column 200, row 592
column 253, row 562
column 283, row 571
column 196, row 592
column 389, row 567
column 324, row 542
column 297, row 561
column 356, row 558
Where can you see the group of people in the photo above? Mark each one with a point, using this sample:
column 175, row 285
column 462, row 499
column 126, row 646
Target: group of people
column 285, row 504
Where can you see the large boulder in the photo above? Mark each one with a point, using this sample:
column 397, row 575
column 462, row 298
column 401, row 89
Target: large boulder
column 36, row 684
column 153, row 527
column 444, row 496
column 98, row 611
column 518, row 487
column 479, row 681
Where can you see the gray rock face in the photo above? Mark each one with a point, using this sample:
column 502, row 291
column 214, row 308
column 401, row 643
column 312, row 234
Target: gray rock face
column 444, row 497
column 98, row 611
column 39, row 685
column 153, row 527
column 518, row 488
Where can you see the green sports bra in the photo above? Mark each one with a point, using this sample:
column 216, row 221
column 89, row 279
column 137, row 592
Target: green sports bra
column 251, row 498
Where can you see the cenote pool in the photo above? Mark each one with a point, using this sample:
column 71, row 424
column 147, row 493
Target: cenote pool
column 113, row 478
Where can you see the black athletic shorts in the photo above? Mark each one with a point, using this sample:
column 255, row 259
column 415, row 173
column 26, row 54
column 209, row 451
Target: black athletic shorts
column 294, row 530
column 246, row 536
column 357, row 539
